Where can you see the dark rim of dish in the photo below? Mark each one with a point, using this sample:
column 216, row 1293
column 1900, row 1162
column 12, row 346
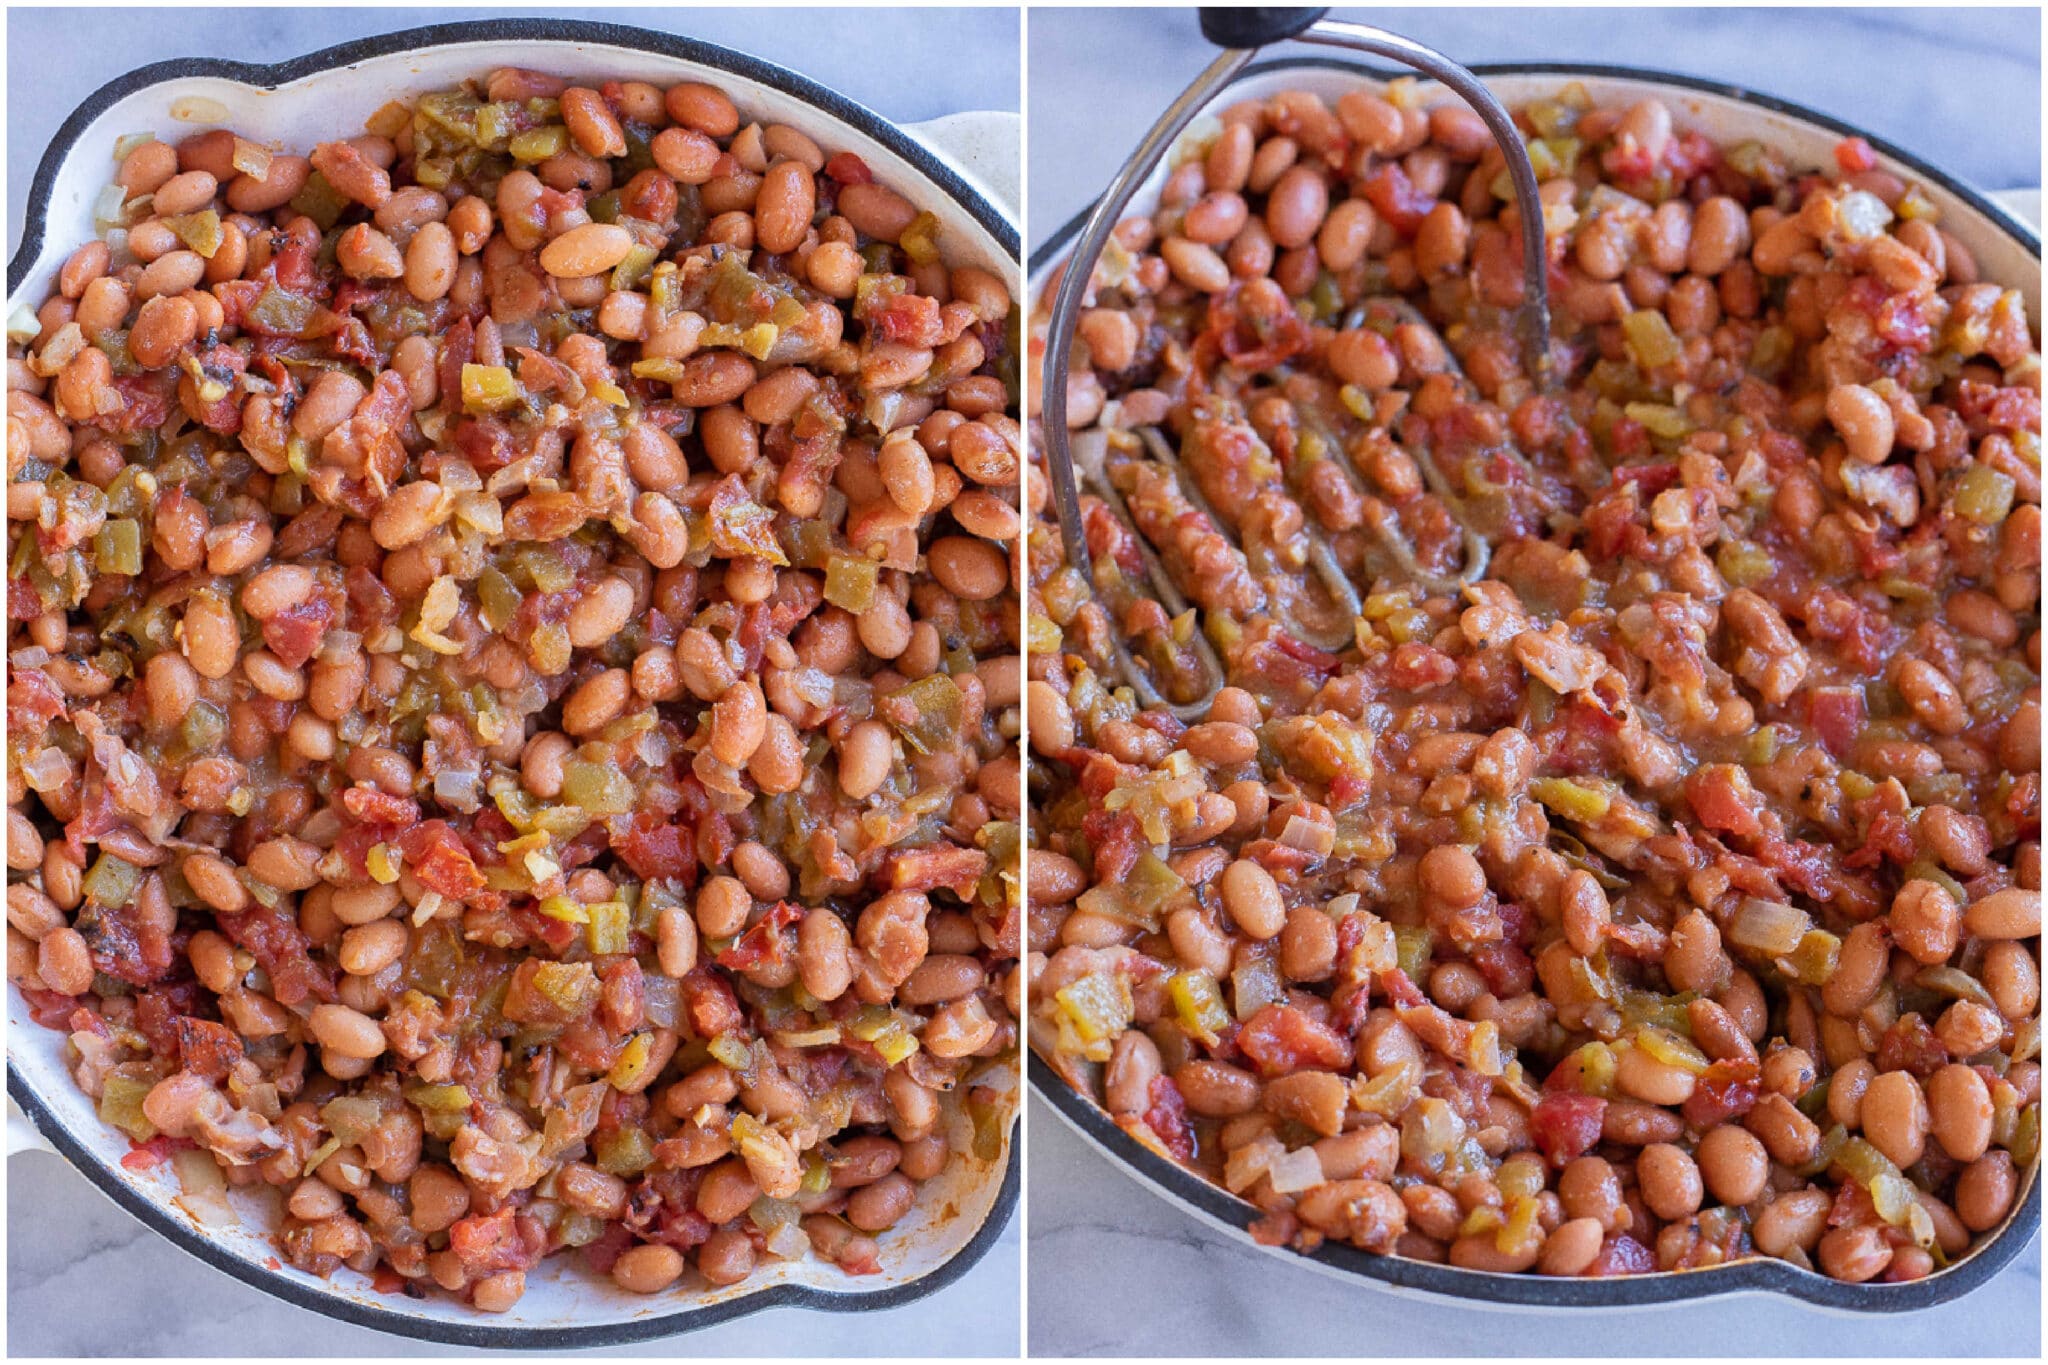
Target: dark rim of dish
column 481, row 1332
column 1758, row 1274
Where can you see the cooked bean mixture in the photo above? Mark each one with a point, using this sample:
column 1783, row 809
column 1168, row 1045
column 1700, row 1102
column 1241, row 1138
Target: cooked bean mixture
column 514, row 682
column 1654, row 880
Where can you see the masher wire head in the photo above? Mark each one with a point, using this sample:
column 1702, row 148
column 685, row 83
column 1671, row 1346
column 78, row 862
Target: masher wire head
column 1532, row 326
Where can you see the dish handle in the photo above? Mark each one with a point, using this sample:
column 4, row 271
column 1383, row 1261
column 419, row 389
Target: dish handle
column 2024, row 205
column 22, row 1134
column 983, row 143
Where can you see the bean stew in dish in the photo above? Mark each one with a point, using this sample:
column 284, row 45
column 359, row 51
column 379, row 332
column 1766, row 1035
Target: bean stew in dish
column 1652, row 880
column 514, row 685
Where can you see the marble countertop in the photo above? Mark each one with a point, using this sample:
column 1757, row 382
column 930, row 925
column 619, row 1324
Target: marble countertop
column 1918, row 78
column 85, row 1279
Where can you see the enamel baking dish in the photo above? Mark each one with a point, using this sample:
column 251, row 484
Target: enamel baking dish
column 2008, row 252
column 963, row 169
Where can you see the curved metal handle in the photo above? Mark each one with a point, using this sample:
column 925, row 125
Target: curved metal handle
column 1074, row 279
column 1532, row 321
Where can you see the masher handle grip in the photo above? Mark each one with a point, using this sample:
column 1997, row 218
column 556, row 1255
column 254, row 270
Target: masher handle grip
column 1255, row 25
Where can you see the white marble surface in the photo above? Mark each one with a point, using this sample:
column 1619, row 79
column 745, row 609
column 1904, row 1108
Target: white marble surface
column 85, row 1279
column 1916, row 77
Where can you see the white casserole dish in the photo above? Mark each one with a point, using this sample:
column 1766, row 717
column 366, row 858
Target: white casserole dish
column 962, row 168
column 2008, row 251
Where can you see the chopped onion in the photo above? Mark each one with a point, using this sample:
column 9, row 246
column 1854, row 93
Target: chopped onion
column 110, row 209
column 46, row 770
column 128, row 142
column 814, row 686
column 1299, row 1170
column 250, row 159
column 456, row 787
column 22, row 325
column 1309, row 836
column 1769, row 927
column 790, row 1241
column 481, row 511
column 339, row 646
column 203, row 1189
column 35, row 656
column 662, row 999
column 773, row 1213
column 1955, row 983
column 1245, row 1165
column 1863, row 215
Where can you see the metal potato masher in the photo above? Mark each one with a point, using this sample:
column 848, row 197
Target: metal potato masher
column 1241, row 32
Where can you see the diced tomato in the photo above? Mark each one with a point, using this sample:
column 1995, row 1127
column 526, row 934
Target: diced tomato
column 1722, row 798
column 1508, row 970
column 1910, row 1045
column 1622, row 1255
column 1116, row 841
column 654, row 847
column 1690, row 153
column 207, row 1048
column 2003, row 408
column 1252, row 339
column 1890, row 836
column 1903, row 321
column 765, row 943
column 1652, row 479
column 956, row 869
column 282, row 948
column 487, row 1243
column 848, row 169
column 1417, row 667
column 1806, row 868
column 1837, row 717
column 606, row 1250
column 1853, row 154
column 147, row 402
column 295, row 633
column 1347, row 789
column 709, row 1003
column 127, row 945
column 909, row 318
column 147, row 1156
column 374, row 806
column 1281, row 1038
column 1566, row 1126
column 1161, row 723
column 1398, row 988
column 1394, row 195
column 1168, row 1118
column 32, row 698
column 435, row 854
column 1727, row 1089
column 51, row 1009
column 486, row 443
